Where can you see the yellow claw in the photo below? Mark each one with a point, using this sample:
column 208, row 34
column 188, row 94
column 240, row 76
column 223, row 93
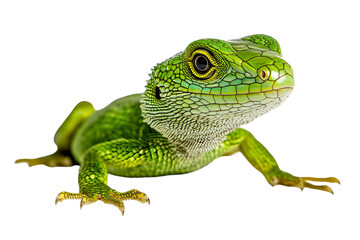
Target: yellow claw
column 116, row 202
column 330, row 179
column 66, row 195
column 133, row 194
column 57, row 159
column 114, row 198
column 279, row 177
column 321, row 187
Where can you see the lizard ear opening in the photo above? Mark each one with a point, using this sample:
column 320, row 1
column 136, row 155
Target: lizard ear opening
column 157, row 93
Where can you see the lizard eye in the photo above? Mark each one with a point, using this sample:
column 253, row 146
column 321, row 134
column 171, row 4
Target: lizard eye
column 201, row 63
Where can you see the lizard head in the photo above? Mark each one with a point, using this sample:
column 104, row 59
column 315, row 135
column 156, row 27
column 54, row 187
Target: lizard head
column 215, row 86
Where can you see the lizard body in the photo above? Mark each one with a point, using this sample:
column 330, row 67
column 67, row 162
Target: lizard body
column 190, row 114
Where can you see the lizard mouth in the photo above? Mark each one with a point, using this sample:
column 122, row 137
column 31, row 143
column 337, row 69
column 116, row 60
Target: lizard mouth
column 241, row 97
column 235, row 94
column 234, row 104
column 280, row 87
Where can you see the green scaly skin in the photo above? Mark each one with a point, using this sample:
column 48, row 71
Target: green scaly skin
column 189, row 115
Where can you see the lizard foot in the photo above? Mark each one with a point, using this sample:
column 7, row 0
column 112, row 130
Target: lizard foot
column 278, row 177
column 106, row 194
column 57, row 159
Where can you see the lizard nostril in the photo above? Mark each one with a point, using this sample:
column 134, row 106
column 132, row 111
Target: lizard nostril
column 263, row 74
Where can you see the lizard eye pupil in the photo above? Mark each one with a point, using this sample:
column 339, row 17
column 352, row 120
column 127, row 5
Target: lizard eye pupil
column 201, row 63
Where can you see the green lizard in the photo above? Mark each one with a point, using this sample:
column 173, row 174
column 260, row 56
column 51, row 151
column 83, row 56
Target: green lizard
column 190, row 114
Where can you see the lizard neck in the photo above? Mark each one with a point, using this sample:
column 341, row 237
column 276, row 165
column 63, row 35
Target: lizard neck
column 195, row 140
column 191, row 139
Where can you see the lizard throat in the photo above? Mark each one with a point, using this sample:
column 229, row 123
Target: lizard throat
column 193, row 136
column 193, row 139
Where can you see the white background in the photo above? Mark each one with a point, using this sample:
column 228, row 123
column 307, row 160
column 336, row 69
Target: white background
column 54, row 54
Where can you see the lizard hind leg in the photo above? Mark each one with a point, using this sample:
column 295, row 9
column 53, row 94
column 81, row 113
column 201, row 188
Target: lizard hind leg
column 63, row 137
column 57, row 159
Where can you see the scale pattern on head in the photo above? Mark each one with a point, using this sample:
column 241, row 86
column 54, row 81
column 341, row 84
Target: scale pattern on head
column 200, row 95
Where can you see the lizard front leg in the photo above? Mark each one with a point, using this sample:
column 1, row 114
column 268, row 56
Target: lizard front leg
column 93, row 174
column 263, row 161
